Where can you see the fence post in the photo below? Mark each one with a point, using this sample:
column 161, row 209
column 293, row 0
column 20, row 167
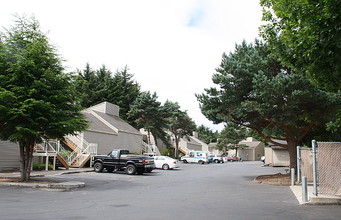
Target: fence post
column 298, row 164
column 292, row 174
column 313, row 142
column 304, row 189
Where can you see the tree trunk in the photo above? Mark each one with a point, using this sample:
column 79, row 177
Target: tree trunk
column 291, row 146
column 148, row 136
column 26, row 154
column 176, row 147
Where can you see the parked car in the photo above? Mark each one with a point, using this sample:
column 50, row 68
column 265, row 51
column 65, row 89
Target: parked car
column 119, row 159
column 231, row 159
column 199, row 157
column 165, row 162
column 216, row 158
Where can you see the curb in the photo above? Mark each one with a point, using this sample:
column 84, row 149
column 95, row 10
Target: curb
column 325, row 200
column 62, row 185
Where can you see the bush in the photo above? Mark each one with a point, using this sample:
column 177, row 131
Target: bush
column 41, row 166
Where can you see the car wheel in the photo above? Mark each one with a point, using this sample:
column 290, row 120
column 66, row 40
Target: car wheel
column 216, row 161
column 201, row 162
column 98, row 167
column 165, row 167
column 131, row 169
column 184, row 161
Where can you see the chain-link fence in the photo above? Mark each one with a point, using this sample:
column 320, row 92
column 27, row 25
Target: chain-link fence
column 329, row 168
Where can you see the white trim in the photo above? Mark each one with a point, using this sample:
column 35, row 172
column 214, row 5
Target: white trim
column 104, row 121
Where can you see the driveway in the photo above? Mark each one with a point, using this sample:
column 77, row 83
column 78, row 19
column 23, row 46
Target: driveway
column 213, row 191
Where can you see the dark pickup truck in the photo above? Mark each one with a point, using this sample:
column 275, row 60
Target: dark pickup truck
column 122, row 160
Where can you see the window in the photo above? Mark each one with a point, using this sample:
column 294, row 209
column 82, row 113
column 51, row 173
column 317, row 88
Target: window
column 114, row 153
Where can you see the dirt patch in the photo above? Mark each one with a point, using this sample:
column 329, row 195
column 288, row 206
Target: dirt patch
column 274, row 179
column 17, row 180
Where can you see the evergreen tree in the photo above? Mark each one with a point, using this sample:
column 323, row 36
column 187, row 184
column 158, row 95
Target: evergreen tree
column 230, row 137
column 255, row 91
column 124, row 92
column 101, row 85
column 206, row 135
column 180, row 124
column 149, row 114
column 37, row 100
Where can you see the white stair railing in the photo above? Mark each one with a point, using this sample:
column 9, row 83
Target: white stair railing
column 48, row 146
column 91, row 149
column 82, row 149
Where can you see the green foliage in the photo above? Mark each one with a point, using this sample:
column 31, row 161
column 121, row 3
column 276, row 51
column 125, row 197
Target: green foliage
column 255, row 91
column 230, row 137
column 150, row 115
column 37, row 99
column 41, row 166
column 206, row 135
column 180, row 124
column 305, row 35
column 101, row 85
column 167, row 152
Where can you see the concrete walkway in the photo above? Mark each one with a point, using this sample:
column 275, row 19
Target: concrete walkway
column 40, row 174
column 315, row 200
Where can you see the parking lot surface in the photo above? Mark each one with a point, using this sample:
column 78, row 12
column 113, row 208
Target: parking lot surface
column 213, row 191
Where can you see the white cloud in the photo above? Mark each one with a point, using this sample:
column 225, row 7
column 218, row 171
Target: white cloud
column 172, row 46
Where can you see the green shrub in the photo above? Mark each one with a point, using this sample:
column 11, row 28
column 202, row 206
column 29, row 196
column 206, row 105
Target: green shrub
column 41, row 166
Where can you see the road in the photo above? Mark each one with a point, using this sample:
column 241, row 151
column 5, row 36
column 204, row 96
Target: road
column 213, row 191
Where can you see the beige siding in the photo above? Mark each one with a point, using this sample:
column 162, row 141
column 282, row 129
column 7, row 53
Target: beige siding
column 281, row 158
column 246, row 154
column 259, row 151
column 9, row 156
column 268, row 155
column 194, row 147
column 107, row 142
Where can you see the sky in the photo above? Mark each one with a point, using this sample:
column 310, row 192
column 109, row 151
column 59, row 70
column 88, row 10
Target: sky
column 172, row 47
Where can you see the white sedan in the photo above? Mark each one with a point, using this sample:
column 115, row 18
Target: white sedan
column 165, row 162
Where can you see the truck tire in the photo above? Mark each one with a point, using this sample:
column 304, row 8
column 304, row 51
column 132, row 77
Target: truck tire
column 131, row 169
column 98, row 167
column 201, row 162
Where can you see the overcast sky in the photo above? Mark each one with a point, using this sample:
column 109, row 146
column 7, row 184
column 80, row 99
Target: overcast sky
column 171, row 46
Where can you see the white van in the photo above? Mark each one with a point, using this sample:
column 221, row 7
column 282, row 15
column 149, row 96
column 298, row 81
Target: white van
column 200, row 157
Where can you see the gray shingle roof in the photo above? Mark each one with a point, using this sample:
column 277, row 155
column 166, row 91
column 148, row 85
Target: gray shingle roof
column 189, row 139
column 96, row 124
column 118, row 123
column 252, row 144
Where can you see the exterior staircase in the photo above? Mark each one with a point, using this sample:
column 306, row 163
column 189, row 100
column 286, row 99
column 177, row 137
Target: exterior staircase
column 82, row 150
column 183, row 149
column 50, row 148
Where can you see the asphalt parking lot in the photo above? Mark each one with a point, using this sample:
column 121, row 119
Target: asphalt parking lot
column 213, row 191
